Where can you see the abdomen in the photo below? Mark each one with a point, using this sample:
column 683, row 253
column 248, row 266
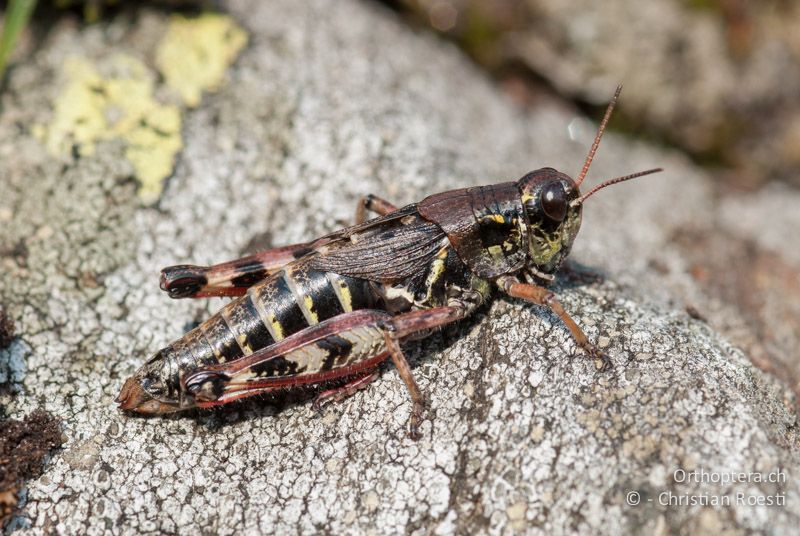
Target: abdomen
column 283, row 304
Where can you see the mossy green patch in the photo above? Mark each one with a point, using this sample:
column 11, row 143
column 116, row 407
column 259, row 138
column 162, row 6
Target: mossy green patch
column 195, row 52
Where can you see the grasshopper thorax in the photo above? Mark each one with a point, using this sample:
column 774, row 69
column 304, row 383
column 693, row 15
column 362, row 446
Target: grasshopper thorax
column 503, row 228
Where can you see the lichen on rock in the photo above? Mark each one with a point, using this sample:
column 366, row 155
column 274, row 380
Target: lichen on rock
column 117, row 103
column 118, row 97
column 195, row 52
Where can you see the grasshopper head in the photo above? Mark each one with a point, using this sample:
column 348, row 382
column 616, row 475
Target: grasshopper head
column 552, row 217
column 552, row 204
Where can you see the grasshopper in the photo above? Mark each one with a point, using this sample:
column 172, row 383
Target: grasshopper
column 328, row 312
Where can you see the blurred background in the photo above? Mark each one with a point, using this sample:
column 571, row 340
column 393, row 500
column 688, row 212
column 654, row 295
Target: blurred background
column 719, row 79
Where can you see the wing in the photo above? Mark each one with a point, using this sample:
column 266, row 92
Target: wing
column 385, row 249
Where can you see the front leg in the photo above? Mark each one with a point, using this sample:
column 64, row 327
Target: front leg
column 542, row 296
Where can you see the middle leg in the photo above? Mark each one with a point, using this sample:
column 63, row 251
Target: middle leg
column 375, row 204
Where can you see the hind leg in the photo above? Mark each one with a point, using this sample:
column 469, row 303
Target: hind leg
column 360, row 341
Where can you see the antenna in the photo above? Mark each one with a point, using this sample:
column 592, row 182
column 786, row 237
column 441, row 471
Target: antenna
column 609, row 182
column 599, row 135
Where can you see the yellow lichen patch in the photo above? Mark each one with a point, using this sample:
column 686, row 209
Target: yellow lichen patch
column 195, row 52
column 117, row 104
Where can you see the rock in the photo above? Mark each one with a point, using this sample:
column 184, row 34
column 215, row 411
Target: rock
column 323, row 106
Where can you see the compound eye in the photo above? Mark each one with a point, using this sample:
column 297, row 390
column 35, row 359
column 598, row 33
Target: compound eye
column 554, row 201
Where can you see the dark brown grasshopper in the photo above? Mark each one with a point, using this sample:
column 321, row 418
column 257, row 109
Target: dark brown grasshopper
column 328, row 312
